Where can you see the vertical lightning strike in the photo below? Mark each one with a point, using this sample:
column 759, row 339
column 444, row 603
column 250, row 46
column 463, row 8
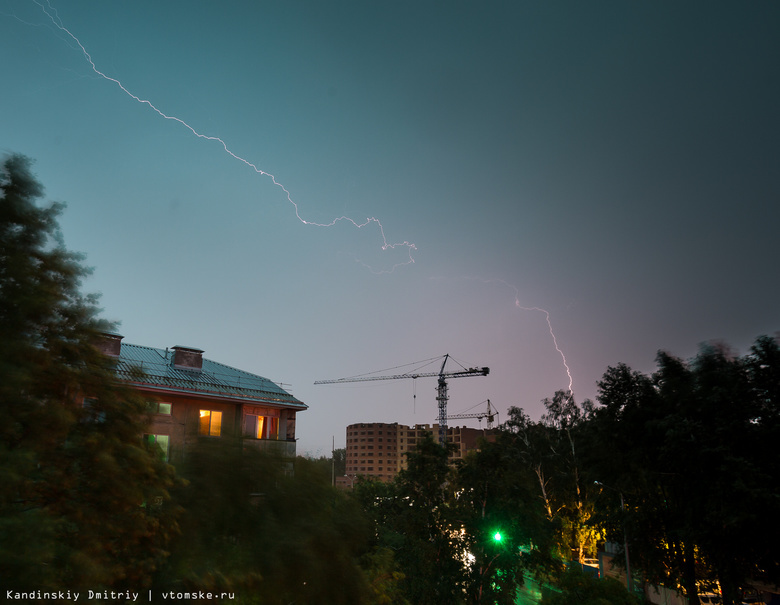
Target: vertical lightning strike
column 52, row 14
column 549, row 323
column 555, row 340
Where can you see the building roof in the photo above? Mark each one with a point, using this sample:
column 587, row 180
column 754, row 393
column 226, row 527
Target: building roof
column 213, row 380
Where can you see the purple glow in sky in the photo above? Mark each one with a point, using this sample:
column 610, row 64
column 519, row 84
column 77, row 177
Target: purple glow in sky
column 615, row 166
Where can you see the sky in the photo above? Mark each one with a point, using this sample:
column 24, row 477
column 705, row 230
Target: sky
column 610, row 166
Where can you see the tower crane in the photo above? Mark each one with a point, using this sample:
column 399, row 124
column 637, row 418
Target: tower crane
column 441, row 396
column 490, row 414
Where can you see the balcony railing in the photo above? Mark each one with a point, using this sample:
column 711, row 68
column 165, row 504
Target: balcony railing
column 279, row 447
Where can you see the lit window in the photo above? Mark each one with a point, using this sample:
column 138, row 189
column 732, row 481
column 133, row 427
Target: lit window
column 156, row 407
column 158, row 444
column 261, row 427
column 210, row 423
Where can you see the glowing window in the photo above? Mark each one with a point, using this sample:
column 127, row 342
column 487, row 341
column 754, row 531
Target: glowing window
column 261, row 427
column 210, row 423
column 158, row 444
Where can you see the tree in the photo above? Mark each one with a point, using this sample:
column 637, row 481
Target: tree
column 266, row 529
column 336, row 463
column 412, row 517
column 694, row 465
column 577, row 588
column 565, row 419
column 548, row 449
column 80, row 496
column 430, row 553
column 505, row 529
column 340, row 461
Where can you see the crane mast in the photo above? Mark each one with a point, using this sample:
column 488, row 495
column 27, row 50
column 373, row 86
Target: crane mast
column 442, row 395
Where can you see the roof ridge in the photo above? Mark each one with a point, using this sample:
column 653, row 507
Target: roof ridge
column 213, row 376
column 224, row 365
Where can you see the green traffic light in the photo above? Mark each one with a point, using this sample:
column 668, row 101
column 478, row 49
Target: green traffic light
column 497, row 536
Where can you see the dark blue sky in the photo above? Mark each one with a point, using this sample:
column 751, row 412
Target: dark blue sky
column 615, row 164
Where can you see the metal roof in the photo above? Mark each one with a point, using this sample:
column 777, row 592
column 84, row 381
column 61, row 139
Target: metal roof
column 213, row 379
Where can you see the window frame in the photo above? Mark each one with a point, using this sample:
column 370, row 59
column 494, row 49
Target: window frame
column 154, row 407
column 210, row 430
column 152, row 440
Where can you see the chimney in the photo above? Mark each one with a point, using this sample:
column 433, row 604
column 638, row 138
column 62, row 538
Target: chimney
column 109, row 344
column 187, row 358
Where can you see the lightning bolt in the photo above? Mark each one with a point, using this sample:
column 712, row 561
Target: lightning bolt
column 554, row 339
column 547, row 317
column 52, row 14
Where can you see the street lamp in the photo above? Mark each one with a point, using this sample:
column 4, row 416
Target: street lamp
column 625, row 534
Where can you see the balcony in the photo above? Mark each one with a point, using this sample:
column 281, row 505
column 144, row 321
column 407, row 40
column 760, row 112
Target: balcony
column 277, row 447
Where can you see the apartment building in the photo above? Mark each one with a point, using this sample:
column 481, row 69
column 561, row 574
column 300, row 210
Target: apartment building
column 378, row 449
column 196, row 398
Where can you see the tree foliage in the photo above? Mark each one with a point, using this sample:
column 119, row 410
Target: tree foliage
column 268, row 529
column 82, row 503
column 428, row 547
column 439, row 522
column 577, row 588
column 690, row 449
column 678, row 465
column 505, row 529
column 550, row 450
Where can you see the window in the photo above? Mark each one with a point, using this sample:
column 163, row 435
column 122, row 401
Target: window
column 261, row 427
column 156, row 407
column 94, row 414
column 210, row 423
column 158, row 444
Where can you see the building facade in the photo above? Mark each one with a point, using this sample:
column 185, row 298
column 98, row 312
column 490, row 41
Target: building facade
column 193, row 398
column 377, row 449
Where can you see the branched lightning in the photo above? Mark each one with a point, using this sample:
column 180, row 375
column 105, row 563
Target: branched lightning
column 52, row 14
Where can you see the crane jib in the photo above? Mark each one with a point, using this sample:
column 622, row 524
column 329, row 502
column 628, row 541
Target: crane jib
column 442, row 396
